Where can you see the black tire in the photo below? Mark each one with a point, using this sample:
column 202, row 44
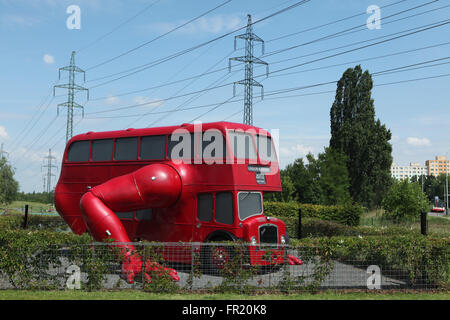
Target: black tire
column 214, row 258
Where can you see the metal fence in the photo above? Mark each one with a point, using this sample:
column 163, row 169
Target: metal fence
column 220, row 267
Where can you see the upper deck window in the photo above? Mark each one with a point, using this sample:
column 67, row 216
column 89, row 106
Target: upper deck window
column 242, row 144
column 181, row 146
column 266, row 149
column 250, row 204
column 126, row 148
column 79, row 151
column 153, row 148
column 102, row 150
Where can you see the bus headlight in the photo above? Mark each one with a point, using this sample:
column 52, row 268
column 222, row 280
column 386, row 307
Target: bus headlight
column 253, row 240
column 283, row 240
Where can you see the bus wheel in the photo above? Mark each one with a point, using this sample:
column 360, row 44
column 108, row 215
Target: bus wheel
column 215, row 258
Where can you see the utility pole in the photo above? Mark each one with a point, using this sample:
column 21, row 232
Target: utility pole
column 50, row 174
column 249, row 60
column 72, row 88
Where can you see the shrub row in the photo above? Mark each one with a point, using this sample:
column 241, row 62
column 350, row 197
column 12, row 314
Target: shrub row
column 316, row 228
column 347, row 214
column 25, row 257
column 420, row 258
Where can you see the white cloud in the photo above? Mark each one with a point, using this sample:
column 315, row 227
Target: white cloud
column 3, row 133
column 48, row 59
column 214, row 24
column 112, row 100
column 149, row 101
column 298, row 151
column 418, row 142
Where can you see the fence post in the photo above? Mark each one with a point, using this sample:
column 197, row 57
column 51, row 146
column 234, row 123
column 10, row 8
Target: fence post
column 25, row 219
column 299, row 223
column 423, row 223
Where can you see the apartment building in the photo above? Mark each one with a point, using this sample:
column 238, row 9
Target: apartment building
column 440, row 165
column 407, row 172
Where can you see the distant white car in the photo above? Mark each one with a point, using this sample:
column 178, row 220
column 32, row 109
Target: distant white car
column 438, row 209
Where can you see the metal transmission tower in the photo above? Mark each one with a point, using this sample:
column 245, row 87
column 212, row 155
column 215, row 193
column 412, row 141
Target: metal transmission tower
column 2, row 152
column 249, row 60
column 72, row 88
column 49, row 167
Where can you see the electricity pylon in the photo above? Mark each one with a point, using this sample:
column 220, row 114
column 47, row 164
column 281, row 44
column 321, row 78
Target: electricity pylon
column 71, row 89
column 50, row 174
column 2, row 152
column 249, row 60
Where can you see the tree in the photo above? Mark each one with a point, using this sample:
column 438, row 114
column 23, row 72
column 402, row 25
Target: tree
column 365, row 142
column 8, row 186
column 320, row 181
column 333, row 179
column 404, row 201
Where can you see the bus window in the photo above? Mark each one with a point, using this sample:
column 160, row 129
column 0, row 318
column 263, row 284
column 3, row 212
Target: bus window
column 205, row 207
column 144, row 215
column 126, row 149
column 266, row 149
column 102, row 150
column 250, row 204
column 224, row 207
column 242, row 144
column 179, row 143
column 153, row 148
column 125, row 215
column 214, row 147
column 79, row 151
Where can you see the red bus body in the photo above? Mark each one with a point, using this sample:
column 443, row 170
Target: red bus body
column 241, row 182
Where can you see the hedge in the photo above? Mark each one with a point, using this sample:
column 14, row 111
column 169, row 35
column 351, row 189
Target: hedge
column 348, row 214
column 420, row 258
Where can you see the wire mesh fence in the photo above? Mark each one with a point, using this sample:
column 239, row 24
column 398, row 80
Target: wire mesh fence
column 240, row 267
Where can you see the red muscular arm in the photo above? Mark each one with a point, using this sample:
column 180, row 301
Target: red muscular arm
column 153, row 186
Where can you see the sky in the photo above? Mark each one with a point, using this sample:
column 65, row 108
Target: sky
column 174, row 46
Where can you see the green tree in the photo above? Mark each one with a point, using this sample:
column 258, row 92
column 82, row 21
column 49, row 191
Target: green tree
column 8, row 186
column 333, row 179
column 404, row 201
column 364, row 140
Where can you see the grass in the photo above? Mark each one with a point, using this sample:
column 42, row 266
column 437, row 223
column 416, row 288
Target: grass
column 140, row 295
column 16, row 207
column 436, row 225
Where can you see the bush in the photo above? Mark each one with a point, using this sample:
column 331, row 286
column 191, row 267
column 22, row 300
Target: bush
column 347, row 214
column 404, row 201
column 421, row 258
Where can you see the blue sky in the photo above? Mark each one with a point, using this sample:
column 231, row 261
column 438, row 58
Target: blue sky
column 36, row 43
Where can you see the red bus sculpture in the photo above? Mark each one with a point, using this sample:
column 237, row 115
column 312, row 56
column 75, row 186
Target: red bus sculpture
column 189, row 183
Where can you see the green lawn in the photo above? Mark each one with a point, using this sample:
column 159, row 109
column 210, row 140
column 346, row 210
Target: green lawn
column 139, row 295
column 436, row 225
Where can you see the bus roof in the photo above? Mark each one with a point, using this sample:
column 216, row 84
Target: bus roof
column 131, row 132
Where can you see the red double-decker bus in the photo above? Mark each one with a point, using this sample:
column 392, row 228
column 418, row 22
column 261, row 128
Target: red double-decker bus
column 186, row 183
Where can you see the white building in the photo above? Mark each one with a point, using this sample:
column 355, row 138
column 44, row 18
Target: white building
column 403, row 172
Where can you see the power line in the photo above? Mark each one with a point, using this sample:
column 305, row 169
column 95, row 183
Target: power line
column 146, row 8
column 146, row 66
column 281, row 51
column 158, row 37
column 279, row 91
column 428, row 27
